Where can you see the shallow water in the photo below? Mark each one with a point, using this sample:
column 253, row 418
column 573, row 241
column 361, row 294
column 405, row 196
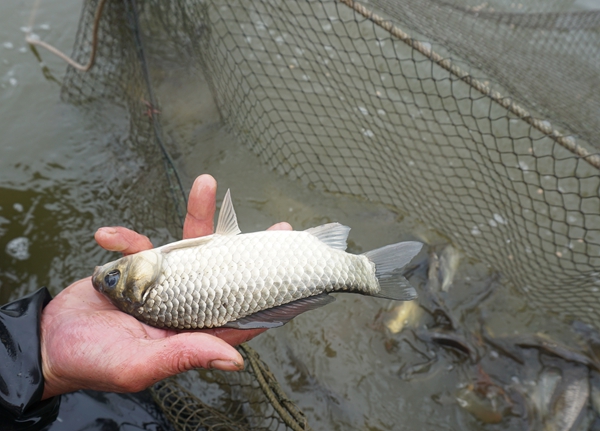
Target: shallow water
column 63, row 169
column 43, row 194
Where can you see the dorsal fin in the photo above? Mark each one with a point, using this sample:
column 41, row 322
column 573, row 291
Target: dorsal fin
column 227, row 223
column 334, row 235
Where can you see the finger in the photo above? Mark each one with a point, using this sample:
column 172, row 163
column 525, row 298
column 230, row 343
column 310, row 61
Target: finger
column 121, row 239
column 179, row 353
column 193, row 350
column 281, row 226
column 235, row 336
column 201, row 208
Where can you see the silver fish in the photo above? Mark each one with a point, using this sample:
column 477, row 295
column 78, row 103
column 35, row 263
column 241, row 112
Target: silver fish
column 569, row 401
column 255, row 280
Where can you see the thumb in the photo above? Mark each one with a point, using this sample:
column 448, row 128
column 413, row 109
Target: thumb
column 182, row 352
column 189, row 350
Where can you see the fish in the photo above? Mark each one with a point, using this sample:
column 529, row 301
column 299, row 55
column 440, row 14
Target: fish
column 403, row 315
column 488, row 409
column 559, row 400
column 253, row 280
column 442, row 268
column 449, row 262
column 569, row 401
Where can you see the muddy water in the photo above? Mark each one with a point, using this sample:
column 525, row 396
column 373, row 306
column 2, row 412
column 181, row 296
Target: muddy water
column 341, row 364
column 62, row 169
column 45, row 193
column 62, row 166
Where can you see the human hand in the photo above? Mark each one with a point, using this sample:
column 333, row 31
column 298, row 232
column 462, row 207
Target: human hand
column 87, row 343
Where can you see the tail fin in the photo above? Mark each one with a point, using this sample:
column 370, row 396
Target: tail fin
column 389, row 262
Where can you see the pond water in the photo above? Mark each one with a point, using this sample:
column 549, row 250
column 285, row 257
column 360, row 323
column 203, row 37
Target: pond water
column 63, row 169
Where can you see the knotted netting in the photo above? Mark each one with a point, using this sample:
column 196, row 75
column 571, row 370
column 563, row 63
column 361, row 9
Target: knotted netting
column 481, row 119
column 342, row 98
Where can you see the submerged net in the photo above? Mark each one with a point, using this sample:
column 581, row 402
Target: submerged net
column 345, row 100
column 248, row 400
column 481, row 119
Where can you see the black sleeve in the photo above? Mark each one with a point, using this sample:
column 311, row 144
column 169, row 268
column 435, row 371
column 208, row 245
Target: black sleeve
column 21, row 379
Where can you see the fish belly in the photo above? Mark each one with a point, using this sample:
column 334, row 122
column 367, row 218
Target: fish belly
column 231, row 277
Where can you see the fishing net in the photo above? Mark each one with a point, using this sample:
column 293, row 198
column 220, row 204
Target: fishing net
column 465, row 129
column 481, row 119
column 248, row 400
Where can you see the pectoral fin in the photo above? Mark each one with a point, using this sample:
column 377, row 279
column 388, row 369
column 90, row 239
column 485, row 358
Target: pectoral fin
column 280, row 315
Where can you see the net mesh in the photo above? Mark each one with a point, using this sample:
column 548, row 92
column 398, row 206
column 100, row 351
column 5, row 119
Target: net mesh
column 120, row 80
column 241, row 401
column 326, row 93
column 479, row 118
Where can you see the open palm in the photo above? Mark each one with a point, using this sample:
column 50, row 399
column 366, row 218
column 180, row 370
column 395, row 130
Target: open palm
column 87, row 343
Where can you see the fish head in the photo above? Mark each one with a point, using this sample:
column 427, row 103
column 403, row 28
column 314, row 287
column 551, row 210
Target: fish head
column 126, row 281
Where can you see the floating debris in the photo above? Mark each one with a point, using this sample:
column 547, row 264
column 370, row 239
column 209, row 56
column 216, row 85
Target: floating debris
column 18, row 248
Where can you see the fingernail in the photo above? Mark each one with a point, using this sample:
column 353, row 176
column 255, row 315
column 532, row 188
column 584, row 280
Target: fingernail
column 108, row 230
column 225, row 365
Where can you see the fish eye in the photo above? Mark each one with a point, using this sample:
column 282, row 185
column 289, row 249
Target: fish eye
column 112, row 278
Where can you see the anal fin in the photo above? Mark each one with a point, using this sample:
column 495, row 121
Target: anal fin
column 280, row 315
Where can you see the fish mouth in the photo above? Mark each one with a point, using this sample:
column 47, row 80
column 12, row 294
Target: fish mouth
column 115, row 294
column 97, row 279
column 125, row 282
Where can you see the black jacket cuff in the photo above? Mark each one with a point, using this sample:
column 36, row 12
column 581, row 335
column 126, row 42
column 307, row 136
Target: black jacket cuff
column 21, row 378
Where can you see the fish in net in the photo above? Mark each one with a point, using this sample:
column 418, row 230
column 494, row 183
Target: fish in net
column 478, row 117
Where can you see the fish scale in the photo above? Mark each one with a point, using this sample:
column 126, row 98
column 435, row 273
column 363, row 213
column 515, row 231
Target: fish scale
column 261, row 279
column 251, row 279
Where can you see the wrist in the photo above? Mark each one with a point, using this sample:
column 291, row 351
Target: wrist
column 50, row 380
column 55, row 354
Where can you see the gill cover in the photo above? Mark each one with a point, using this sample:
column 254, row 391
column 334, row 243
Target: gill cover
column 125, row 281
